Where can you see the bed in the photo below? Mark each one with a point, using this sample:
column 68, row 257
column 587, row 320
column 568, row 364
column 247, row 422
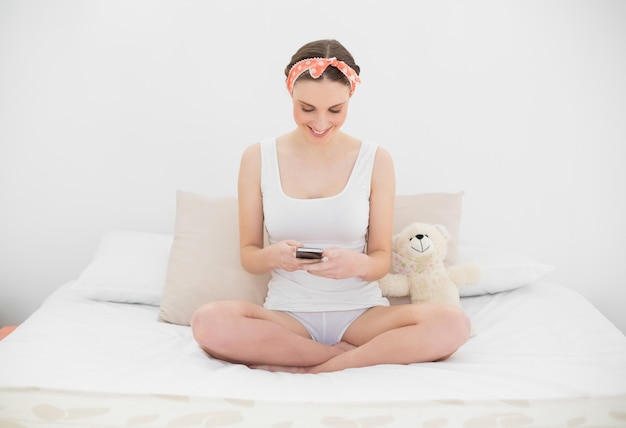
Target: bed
column 113, row 347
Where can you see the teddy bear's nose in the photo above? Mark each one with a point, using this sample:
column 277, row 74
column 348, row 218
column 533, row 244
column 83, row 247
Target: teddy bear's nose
column 420, row 236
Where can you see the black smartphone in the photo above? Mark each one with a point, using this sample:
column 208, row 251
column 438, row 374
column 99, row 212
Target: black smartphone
column 309, row 253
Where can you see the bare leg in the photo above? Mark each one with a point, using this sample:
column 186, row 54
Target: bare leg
column 402, row 335
column 245, row 333
column 398, row 335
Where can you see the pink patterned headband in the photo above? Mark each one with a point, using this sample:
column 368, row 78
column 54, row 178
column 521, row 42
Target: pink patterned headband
column 317, row 66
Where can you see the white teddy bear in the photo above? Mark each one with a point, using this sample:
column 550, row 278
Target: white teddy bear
column 418, row 269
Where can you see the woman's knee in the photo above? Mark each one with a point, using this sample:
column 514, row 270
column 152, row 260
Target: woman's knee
column 457, row 318
column 447, row 325
column 456, row 327
column 210, row 322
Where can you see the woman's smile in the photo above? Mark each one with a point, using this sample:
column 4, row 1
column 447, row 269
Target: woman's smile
column 319, row 133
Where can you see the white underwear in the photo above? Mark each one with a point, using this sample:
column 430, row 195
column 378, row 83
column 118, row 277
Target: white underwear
column 327, row 327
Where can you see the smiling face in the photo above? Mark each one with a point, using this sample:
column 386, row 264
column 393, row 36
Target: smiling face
column 320, row 108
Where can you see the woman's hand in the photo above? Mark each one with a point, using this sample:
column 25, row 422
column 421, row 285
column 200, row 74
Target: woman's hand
column 284, row 254
column 338, row 263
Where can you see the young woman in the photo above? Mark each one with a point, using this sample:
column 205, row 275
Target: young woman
column 319, row 187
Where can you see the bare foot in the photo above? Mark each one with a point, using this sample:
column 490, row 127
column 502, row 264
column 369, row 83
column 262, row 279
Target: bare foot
column 285, row 369
column 341, row 347
column 344, row 346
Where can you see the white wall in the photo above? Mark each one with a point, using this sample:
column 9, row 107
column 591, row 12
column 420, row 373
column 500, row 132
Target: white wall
column 108, row 107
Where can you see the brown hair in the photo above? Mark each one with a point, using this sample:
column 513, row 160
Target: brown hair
column 327, row 48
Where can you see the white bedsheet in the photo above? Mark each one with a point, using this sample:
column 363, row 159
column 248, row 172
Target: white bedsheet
column 539, row 341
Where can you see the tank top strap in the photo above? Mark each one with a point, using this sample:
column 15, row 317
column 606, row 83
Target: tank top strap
column 364, row 166
column 269, row 164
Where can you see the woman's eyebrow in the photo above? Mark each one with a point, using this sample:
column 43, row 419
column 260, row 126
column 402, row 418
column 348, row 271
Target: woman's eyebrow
column 312, row 106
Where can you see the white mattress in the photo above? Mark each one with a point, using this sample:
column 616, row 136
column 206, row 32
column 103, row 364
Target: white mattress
column 539, row 341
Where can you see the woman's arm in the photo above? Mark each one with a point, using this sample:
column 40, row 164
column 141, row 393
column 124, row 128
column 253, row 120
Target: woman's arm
column 251, row 211
column 382, row 199
column 254, row 257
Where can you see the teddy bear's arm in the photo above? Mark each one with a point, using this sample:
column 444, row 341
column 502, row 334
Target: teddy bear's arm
column 465, row 274
column 394, row 285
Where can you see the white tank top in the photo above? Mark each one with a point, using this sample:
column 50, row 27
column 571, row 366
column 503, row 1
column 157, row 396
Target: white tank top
column 336, row 221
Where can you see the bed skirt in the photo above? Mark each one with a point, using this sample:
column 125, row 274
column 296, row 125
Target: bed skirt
column 36, row 407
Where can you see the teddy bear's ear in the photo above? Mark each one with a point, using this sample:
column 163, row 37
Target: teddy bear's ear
column 444, row 231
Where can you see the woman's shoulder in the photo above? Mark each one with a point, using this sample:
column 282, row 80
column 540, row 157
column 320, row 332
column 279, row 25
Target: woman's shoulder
column 256, row 147
column 378, row 151
column 380, row 158
column 382, row 152
column 252, row 149
column 251, row 156
column 383, row 159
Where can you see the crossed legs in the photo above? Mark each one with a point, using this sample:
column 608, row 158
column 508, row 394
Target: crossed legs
column 245, row 333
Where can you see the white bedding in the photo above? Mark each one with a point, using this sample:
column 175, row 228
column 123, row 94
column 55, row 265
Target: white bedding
column 535, row 342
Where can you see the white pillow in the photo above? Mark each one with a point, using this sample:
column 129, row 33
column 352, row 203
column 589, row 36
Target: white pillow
column 128, row 267
column 502, row 269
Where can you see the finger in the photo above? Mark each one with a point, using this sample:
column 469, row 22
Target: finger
column 309, row 262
